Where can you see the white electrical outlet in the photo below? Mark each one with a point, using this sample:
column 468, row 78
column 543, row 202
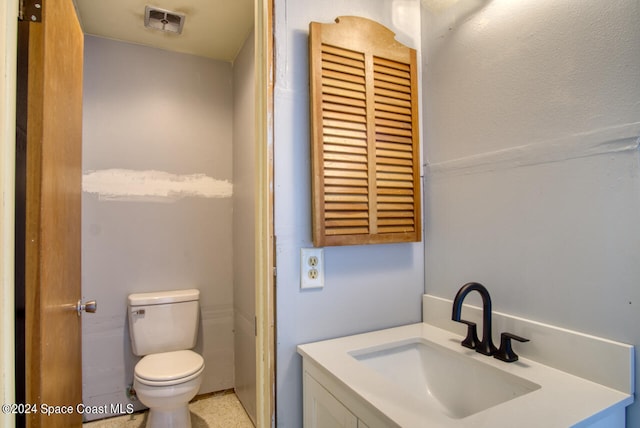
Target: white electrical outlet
column 311, row 268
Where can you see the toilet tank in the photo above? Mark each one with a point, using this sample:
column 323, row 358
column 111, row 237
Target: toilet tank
column 163, row 321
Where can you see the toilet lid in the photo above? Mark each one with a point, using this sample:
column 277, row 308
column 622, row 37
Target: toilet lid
column 169, row 366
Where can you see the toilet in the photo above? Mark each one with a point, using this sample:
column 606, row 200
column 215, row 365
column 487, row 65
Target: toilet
column 163, row 327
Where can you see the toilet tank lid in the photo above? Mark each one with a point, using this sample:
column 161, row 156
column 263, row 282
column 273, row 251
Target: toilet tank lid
column 162, row 297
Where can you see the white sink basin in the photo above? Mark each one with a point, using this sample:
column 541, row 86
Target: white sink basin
column 457, row 385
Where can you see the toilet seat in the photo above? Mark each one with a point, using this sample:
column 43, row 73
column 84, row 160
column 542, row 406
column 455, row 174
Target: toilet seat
column 169, row 368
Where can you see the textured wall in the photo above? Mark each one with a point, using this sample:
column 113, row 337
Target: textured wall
column 366, row 287
column 531, row 117
column 157, row 152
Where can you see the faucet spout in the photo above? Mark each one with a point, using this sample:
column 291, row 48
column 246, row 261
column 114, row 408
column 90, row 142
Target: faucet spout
column 484, row 346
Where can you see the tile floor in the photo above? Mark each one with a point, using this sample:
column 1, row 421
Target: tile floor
column 219, row 410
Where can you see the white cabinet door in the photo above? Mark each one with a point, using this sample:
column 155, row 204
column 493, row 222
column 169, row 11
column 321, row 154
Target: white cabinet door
column 322, row 410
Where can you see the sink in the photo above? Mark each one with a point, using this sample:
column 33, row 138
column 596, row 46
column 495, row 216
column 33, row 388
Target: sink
column 455, row 383
column 419, row 376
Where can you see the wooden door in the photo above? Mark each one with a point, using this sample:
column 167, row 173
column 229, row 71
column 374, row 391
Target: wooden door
column 53, row 192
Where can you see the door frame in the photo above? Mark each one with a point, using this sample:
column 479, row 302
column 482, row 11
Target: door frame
column 8, row 62
column 265, row 241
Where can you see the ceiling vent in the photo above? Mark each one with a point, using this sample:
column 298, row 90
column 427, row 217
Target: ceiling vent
column 163, row 20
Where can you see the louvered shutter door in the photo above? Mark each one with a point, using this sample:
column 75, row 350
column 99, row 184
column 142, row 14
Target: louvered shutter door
column 364, row 131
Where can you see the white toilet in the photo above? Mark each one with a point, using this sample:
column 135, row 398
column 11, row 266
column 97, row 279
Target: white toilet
column 163, row 327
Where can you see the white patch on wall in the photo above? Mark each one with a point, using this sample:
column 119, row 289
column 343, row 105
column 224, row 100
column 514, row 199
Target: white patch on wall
column 615, row 139
column 152, row 186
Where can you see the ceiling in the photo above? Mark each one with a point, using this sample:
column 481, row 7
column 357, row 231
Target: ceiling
column 212, row 28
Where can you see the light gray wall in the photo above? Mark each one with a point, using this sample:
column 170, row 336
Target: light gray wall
column 244, row 225
column 366, row 287
column 531, row 116
column 147, row 109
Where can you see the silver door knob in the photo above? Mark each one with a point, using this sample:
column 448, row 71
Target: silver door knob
column 90, row 306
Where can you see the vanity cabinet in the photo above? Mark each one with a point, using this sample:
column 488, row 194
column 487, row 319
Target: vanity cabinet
column 327, row 404
column 323, row 410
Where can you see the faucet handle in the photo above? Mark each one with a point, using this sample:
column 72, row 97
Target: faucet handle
column 471, row 341
column 505, row 353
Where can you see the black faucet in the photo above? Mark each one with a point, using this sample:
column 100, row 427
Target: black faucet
column 484, row 346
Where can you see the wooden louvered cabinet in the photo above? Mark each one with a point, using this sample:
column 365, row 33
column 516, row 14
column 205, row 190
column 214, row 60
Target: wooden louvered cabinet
column 364, row 132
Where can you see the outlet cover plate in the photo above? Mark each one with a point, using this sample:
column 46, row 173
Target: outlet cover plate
column 311, row 268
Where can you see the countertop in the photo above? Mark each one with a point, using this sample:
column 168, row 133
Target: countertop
column 564, row 400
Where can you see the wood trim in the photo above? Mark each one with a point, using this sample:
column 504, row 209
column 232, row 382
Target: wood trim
column 315, row 86
column 265, row 240
column 365, row 137
column 32, row 270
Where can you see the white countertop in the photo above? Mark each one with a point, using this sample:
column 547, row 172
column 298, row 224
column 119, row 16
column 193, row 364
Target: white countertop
column 564, row 400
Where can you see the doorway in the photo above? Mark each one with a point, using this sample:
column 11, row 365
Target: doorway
column 264, row 249
column 145, row 111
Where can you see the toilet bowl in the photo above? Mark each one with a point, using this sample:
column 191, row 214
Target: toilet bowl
column 163, row 329
column 165, row 383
